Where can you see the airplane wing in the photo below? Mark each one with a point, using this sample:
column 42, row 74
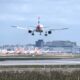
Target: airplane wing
column 50, row 30
column 26, row 29
column 19, row 27
column 58, row 29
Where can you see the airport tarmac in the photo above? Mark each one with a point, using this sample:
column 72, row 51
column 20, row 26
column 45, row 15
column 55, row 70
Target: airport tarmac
column 41, row 62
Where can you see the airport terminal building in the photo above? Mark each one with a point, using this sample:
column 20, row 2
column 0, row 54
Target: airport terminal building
column 59, row 46
column 44, row 47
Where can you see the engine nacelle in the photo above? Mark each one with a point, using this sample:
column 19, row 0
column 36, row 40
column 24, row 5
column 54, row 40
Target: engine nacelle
column 29, row 31
column 49, row 32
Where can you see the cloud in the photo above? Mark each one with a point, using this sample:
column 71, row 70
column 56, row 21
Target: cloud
column 14, row 1
column 57, row 11
column 9, row 17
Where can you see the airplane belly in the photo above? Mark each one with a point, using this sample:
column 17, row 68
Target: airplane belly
column 40, row 30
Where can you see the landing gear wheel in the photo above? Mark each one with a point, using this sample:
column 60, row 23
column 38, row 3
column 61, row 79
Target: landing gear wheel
column 45, row 34
column 32, row 34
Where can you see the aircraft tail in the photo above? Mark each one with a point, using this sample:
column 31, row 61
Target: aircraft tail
column 39, row 20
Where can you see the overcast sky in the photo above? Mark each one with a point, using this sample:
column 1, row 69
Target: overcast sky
column 53, row 13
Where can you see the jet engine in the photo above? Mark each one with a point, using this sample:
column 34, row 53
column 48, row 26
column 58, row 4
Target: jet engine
column 49, row 32
column 29, row 31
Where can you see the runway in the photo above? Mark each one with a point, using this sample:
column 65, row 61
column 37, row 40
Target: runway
column 41, row 62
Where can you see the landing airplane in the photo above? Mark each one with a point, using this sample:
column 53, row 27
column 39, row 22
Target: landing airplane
column 39, row 29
